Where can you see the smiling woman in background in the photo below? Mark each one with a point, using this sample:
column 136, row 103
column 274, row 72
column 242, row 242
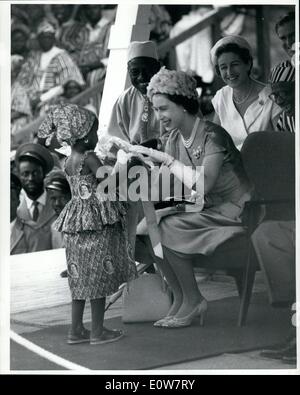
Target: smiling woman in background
column 243, row 106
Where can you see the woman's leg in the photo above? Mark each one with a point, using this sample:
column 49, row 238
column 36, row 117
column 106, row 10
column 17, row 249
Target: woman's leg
column 183, row 270
column 168, row 273
column 173, row 283
column 77, row 316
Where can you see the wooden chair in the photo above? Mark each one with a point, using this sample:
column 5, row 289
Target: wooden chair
column 269, row 161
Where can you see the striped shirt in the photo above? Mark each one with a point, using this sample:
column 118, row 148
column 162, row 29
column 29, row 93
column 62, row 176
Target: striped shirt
column 286, row 123
column 60, row 70
column 283, row 72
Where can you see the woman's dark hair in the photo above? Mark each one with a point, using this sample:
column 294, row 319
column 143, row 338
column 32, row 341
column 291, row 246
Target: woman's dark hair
column 289, row 17
column 190, row 105
column 243, row 53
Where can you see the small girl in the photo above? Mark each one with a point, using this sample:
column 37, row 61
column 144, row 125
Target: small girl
column 95, row 233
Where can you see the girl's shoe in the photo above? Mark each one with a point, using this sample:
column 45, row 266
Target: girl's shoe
column 161, row 323
column 81, row 337
column 107, row 336
column 64, row 274
column 199, row 311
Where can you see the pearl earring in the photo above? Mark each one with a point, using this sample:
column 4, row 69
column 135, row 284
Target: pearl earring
column 86, row 141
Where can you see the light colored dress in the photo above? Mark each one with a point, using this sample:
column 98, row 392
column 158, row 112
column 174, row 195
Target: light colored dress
column 202, row 232
column 99, row 256
column 261, row 115
column 125, row 121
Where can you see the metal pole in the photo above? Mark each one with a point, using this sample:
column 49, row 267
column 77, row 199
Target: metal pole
column 263, row 41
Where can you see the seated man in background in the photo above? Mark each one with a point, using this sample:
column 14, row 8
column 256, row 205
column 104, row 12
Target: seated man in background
column 83, row 30
column 132, row 118
column 274, row 243
column 48, row 69
column 86, row 40
column 20, row 34
column 285, row 30
column 20, row 108
column 33, row 162
column 71, row 89
column 282, row 85
column 274, row 240
column 59, row 193
column 18, row 242
column 95, row 51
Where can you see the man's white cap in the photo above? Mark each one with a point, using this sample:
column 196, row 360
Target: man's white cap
column 142, row 48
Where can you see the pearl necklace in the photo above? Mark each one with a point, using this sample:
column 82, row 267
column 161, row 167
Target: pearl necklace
column 187, row 143
column 246, row 98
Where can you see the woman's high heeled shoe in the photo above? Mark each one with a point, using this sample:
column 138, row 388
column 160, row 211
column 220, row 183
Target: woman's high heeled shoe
column 199, row 311
column 161, row 322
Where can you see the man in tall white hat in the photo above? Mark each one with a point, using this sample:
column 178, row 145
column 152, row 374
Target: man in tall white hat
column 132, row 117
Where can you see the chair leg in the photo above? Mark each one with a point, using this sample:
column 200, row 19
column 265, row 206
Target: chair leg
column 238, row 278
column 248, row 283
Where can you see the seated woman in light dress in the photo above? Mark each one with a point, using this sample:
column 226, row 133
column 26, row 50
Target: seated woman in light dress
column 193, row 228
column 243, row 106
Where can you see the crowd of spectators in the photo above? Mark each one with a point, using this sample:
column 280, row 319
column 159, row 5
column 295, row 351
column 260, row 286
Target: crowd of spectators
column 57, row 52
column 60, row 50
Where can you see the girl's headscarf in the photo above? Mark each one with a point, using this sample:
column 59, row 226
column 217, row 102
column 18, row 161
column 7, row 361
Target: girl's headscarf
column 69, row 122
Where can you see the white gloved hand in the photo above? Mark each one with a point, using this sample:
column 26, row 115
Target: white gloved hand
column 116, row 143
column 139, row 149
column 156, row 156
column 123, row 157
column 122, row 160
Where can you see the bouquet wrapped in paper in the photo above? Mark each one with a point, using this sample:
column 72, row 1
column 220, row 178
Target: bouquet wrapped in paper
column 118, row 160
column 113, row 151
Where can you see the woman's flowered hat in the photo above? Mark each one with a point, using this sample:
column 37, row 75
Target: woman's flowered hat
column 172, row 82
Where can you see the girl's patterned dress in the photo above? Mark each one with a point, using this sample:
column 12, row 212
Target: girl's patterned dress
column 99, row 256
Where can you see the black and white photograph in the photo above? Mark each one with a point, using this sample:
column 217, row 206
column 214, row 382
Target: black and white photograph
column 149, row 168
